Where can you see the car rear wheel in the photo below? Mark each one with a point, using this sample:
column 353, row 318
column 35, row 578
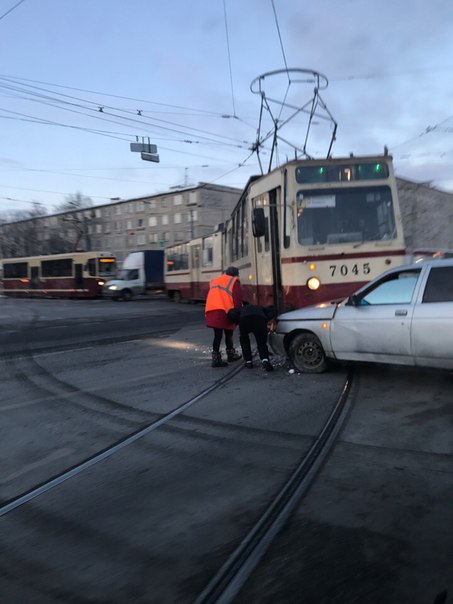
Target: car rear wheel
column 307, row 354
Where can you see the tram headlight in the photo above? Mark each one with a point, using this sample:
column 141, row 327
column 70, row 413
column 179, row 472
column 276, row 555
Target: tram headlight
column 313, row 283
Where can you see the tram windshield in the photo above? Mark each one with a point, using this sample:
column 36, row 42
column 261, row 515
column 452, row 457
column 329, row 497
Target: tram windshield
column 349, row 215
column 107, row 267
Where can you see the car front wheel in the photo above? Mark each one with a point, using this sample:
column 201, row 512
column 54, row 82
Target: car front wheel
column 307, row 354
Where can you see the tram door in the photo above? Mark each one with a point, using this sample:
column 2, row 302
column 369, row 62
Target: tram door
column 34, row 277
column 78, row 268
column 267, row 252
column 195, row 260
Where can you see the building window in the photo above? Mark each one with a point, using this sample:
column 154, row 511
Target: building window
column 177, row 200
column 152, row 221
column 164, row 219
column 118, row 210
column 140, row 206
column 141, row 239
column 140, row 222
column 153, row 238
column 129, row 225
column 177, row 218
column 99, row 228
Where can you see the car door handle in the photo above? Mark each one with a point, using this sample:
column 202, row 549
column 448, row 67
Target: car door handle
column 400, row 313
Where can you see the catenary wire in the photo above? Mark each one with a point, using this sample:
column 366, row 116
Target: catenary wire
column 11, row 9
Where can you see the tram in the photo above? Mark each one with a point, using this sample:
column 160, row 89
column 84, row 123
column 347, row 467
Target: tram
column 73, row 275
column 310, row 231
column 189, row 267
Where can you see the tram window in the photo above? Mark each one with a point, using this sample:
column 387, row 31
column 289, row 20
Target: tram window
column 57, row 268
column 177, row 261
column 245, row 231
column 345, row 216
column 439, row 287
column 16, row 270
column 266, row 236
column 207, row 252
column 286, row 214
column 170, row 263
column 92, row 267
column 195, row 256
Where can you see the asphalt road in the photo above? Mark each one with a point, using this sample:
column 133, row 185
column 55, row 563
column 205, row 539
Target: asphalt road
column 43, row 324
column 152, row 523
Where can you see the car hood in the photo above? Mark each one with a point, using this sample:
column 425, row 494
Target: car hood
column 326, row 310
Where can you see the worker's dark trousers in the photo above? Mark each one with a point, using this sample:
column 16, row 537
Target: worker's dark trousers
column 218, row 333
column 258, row 326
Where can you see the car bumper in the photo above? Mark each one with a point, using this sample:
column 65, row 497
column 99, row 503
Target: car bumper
column 276, row 343
column 110, row 293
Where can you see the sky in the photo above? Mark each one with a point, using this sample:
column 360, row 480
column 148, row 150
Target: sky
column 82, row 79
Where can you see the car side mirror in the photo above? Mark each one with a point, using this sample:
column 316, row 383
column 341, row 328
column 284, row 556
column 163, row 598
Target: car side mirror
column 354, row 300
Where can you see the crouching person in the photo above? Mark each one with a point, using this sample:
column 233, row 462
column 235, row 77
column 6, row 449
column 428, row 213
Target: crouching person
column 256, row 320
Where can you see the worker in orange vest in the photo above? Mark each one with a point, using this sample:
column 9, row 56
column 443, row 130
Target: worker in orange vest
column 224, row 294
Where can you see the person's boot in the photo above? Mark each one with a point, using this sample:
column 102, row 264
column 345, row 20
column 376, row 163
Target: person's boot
column 232, row 355
column 266, row 364
column 217, row 360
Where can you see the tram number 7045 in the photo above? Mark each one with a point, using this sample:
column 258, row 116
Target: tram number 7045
column 344, row 269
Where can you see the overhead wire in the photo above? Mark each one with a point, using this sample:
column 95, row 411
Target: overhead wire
column 95, row 108
column 16, row 79
column 279, row 35
column 229, row 55
column 11, row 9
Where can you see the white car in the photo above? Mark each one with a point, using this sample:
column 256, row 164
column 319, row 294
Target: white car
column 404, row 316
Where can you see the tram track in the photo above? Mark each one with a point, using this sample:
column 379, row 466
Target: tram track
column 239, row 565
column 107, row 452
column 233, row 572
column 192, row 427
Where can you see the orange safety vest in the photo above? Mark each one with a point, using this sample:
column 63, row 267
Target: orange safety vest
column 220, row 295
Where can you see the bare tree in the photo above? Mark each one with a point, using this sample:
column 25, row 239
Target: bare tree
column 21, row 235
column 79, row 219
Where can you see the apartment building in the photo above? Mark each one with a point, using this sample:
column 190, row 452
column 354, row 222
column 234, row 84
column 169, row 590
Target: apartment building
column 150, row 222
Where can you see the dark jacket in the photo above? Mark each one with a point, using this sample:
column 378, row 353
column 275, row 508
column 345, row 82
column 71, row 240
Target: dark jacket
column 252, row 310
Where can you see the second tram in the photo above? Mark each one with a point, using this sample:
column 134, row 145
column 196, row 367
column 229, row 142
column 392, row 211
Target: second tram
column 310, row 231
column 73, row 275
